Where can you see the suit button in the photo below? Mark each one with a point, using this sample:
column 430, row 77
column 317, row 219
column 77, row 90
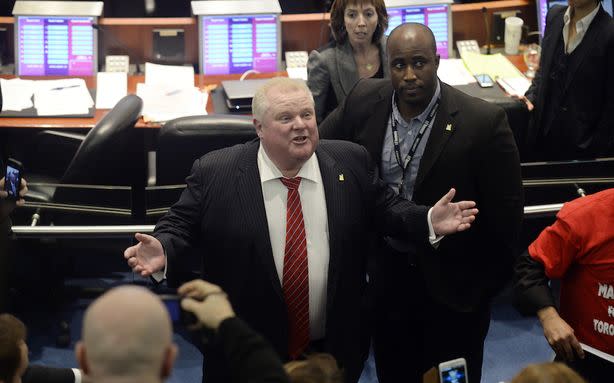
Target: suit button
column 564, row 109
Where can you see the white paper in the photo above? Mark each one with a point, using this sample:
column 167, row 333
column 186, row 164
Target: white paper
column 110, row 88
column 62, row 97
column 298, row 72
column 515, row 86
column 169, row 77
column 454, row 72
column 160, row 104
column 17, row 94
column 594, row 351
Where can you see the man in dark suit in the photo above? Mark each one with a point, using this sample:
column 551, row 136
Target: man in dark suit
column 572, row 94
column 433, row 301
column 234, row 207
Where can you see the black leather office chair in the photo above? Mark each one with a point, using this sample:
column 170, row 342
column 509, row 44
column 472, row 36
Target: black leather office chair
column 183, row 140
column 107, row 155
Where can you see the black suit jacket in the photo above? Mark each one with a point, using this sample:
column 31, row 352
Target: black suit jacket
column 470, row 148
column 587, row 107
column 223, row 210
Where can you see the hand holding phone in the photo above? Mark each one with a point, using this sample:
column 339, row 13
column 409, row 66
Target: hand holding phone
column 12, row 179
column 453, row 371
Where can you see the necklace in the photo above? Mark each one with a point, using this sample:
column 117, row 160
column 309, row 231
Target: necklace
column 369, row 67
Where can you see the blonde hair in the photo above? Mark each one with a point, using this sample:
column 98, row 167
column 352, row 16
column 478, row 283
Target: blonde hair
column 260, row 102
column 552, row 372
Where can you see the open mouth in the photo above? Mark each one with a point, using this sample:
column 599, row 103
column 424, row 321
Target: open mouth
column 299, row 139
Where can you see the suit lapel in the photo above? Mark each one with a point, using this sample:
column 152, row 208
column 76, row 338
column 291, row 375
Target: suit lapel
column 333, row 191
column 346, row 67
column 443, row 128
column 249, row 190
column 589, row 42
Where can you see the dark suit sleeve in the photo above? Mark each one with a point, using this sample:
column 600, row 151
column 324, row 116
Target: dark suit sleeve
column 43, row 374
column 604, row 137
column 335, row 126
column 318, row 81
column 500, row 197
column 531, row 290
column 532, row 92
column 250, row 357
column 178, row 229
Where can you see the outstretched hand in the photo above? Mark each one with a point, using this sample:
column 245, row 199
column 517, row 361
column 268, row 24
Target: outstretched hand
column 450, row 217
column 147, row 256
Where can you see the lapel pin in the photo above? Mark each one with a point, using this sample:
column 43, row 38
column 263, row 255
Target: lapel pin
column 341, row 178
column 449, row 127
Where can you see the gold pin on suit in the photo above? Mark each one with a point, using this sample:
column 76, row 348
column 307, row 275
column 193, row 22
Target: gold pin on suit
column 449, row 128
column 341, row 178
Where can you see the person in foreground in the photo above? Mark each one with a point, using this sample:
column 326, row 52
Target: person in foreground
column 14, row 361
column 358, row 51
column 284, row 225
column 546, row 373
column 126, row 337
column 427, row 137
column 578, row 249
column 250, row 357
column 571, row 98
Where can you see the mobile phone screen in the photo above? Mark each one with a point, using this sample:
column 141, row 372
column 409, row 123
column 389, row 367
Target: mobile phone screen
column 454, row 374
column 173, row 307
column 484, row 80
column 12, row 181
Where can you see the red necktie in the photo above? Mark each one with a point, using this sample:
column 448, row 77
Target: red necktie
column 295, row 282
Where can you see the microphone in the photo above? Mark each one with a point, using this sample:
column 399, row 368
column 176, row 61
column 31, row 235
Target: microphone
column 487, row 26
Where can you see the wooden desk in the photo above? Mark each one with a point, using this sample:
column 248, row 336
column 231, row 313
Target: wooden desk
column 201, row 81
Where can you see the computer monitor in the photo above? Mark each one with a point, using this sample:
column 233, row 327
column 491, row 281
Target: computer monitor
column 544, row 5
column 436, row 14
column 237, row 36
column 57, row 39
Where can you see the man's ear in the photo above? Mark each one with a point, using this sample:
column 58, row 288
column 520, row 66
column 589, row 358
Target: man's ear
column 258, row 126
column 81, row 356
column 169, row 361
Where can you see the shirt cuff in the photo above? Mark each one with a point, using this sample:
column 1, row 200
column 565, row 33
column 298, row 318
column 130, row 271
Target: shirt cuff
column 434, row 239
column 159, row 276
column 78, row 376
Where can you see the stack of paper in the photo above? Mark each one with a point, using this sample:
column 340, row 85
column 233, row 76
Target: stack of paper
column 62, row 97
column 110, row 88
column 495, row 65
column 17, row 94
column 515, row 86
column 454, row 72
column 169, row 92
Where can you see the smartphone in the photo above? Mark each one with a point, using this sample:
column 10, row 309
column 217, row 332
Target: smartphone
column 12, row 179
column 177, row 314
column 484, row 80
column 453, row 371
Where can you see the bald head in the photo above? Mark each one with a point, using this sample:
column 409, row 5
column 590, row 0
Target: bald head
column 413, row 31
column 126, row 332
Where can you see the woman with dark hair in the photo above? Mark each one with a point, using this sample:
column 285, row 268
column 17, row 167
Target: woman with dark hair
column 358, row 51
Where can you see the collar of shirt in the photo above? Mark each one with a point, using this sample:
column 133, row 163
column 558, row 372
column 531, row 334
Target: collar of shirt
column 396, row 114
column 269, row 172
column 581, row 26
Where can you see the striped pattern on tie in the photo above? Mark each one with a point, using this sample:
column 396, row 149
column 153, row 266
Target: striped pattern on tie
column 295, row 282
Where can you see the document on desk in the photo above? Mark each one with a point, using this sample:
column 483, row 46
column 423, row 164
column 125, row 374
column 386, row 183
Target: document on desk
column 110, row 88
column 515, row 86
column 495, row 65
column 160, row 104
column 454, row 72
column 17, row 94
column 62, row 97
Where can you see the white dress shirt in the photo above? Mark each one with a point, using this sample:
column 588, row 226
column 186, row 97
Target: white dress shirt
column 313, row 202
column 581, row 28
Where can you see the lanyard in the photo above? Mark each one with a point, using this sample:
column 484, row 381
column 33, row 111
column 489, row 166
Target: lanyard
column 414, row 146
